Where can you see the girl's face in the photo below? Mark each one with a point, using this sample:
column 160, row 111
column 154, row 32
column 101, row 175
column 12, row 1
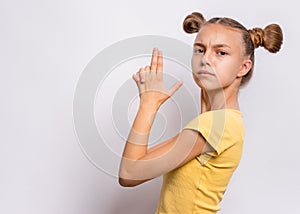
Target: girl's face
column 218, row 59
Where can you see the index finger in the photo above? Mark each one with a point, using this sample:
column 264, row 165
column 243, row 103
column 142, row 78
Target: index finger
column 160, row 62
column 154, row 60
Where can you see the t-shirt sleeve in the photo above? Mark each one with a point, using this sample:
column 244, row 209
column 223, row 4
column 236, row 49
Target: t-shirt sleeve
column 213, row 126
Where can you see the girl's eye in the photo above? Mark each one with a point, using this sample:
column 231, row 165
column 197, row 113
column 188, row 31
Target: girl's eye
column 198, row 51
column 222, row 53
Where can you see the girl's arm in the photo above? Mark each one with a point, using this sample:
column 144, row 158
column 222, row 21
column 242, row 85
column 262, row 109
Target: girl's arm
column 171, row 154
column 139, row 164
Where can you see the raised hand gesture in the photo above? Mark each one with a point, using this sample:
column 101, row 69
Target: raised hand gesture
column 150, row 82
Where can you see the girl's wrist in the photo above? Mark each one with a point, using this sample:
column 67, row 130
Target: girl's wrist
column 145, row 117
column 149, row 106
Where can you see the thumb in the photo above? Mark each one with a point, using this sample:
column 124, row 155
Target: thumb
column 175, row 87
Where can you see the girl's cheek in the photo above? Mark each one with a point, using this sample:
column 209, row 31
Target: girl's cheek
column 196, row 60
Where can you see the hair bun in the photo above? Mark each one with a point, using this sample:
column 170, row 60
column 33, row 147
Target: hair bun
column 192, row 23
column 270, row 37
column 257, row 37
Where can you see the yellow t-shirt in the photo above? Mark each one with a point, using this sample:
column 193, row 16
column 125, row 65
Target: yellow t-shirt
column 199, row 185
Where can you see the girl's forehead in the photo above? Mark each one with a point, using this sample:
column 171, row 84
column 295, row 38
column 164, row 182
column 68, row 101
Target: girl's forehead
column 218, row 33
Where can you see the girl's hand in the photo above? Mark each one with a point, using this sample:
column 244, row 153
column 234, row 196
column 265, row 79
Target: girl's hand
column 150, row 82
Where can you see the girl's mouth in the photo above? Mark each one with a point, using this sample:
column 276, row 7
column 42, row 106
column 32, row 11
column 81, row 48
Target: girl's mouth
column 205, row 73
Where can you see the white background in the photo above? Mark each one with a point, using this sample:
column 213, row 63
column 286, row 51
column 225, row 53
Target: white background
column 44, row 47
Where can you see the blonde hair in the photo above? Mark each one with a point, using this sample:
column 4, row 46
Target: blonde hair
column 270, row 37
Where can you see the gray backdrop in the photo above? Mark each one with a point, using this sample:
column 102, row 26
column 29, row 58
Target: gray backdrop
column 46, row 46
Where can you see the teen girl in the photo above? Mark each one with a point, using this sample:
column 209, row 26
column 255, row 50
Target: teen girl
column 198, row 162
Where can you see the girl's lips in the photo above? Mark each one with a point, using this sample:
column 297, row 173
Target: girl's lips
column 204, row 73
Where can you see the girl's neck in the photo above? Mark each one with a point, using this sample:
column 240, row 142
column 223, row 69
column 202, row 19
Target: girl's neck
column 224, row 98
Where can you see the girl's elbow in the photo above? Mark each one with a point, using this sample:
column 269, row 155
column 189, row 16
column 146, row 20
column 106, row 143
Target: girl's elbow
column 128, row 177
column 125, row 179
column 127, row 182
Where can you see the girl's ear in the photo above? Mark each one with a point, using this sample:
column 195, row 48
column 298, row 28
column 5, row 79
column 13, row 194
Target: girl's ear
column 245, row 68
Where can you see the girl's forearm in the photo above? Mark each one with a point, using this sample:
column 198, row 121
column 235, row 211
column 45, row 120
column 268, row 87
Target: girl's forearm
column 137, row 142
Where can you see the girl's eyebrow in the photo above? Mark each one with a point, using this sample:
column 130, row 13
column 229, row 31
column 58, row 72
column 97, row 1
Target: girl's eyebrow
column 214, row 46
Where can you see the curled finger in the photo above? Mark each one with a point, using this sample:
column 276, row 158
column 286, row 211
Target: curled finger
column 147, row 68
column 142, row 75
column 148, row 72
column 136, row 77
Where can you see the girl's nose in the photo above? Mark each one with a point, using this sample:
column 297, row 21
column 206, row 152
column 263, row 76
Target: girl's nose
column 206, row 59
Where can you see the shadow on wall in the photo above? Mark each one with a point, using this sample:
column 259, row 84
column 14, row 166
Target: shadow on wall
column 136, row 200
